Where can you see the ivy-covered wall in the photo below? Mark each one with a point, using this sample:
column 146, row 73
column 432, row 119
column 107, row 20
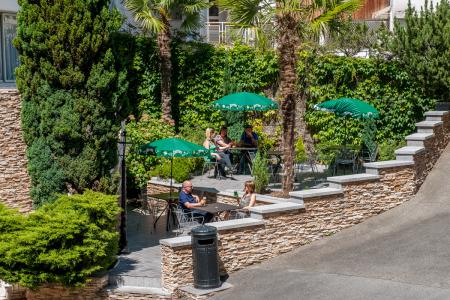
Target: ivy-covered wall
column 202, row 73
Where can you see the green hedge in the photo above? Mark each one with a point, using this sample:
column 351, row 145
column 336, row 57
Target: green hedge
column 203, row 73
column 64, row 242
column 384, row 84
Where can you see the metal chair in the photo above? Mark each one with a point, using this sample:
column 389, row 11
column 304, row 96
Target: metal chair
column 345, row 157
column 208, row 162
column 186, row 220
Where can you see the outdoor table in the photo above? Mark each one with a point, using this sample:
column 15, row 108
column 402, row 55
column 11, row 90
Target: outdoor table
column 217, row 208
column 171, row 199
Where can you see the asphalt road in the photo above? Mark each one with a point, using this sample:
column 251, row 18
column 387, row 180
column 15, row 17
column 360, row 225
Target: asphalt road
column 401, row 254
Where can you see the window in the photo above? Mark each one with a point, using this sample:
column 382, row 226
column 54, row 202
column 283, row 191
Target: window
column 9, row 57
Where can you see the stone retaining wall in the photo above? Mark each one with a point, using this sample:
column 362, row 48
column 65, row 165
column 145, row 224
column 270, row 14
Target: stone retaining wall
column 14, row 180
column 284, row 231
column 93, row 290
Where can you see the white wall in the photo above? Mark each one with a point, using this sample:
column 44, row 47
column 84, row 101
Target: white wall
column 9, row 5
column 401, row 5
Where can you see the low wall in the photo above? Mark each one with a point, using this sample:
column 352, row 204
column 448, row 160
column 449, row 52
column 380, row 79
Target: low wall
column 14, row 180
column 284, row 231
column 93, row 290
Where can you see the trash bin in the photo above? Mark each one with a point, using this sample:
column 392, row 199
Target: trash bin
column 205, row 257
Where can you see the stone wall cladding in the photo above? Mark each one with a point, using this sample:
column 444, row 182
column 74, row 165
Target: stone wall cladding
column 322, row 216
column 11, row 292
column 15, row 183
column 93, row 290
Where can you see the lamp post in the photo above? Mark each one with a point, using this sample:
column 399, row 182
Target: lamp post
column 123, row 189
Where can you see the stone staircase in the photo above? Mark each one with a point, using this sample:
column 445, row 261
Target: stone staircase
column 426, row 144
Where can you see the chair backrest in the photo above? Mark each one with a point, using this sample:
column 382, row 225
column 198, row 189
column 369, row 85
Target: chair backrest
column 182, row 216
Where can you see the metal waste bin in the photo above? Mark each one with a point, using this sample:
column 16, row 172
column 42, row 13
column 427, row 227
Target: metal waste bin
column 205, row 257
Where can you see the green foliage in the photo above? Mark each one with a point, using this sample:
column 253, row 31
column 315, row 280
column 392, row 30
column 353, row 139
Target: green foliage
column 388, row 147
column 64, row 242
column 422, row 47
column 384, row 84
column 182, row 168
column 260, row 172
column 73, row 96
column 199, row 78
column 300, row 153
column 139, row 133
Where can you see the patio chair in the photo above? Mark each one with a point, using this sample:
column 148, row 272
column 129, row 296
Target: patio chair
column 238, row 214
column 345, row 157
column 211, row 162
column 186, row 220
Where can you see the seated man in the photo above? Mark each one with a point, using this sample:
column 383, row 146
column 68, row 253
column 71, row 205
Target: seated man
column 249, row 139
column 188, row 202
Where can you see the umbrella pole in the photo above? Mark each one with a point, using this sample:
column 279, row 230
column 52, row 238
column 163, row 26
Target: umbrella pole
column 171, row 179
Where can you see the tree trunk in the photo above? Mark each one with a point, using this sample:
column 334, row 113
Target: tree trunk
column 166, row 73
column 288, row 42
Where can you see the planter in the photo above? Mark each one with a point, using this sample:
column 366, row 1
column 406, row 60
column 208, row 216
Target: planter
column 442, row 106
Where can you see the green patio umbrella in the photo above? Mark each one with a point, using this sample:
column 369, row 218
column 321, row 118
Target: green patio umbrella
column 349, row 107
column 244, row 101
column 174, row 147
column 353, row 108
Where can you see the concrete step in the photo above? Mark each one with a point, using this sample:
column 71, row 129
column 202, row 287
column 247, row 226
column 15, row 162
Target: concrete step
column 435, row 115
column 427, row 126
column 338, row 181
column 312, row 193
column 408, row 152
column 374, row 167
column 135, row 281
column 417, row 139
column 139, row 290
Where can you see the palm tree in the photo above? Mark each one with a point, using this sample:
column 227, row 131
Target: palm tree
column 154, row 17
column 295, row 22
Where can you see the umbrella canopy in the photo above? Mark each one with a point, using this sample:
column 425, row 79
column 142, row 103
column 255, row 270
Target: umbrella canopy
column 349, row 107
column 174, row 147
column 244, row 101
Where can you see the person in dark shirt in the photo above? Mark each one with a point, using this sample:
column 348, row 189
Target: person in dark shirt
column 249, row 138
column 189, row 202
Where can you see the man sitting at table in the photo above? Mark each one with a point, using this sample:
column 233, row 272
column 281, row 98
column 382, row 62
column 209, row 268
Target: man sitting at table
column 224, row 142
column 189, row 202
column 249, row 139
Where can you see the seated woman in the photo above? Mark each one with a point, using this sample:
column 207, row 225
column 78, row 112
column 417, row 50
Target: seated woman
column 220, row 156
column 249, row 198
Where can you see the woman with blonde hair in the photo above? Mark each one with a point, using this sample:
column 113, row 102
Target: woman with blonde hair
column 221, row 157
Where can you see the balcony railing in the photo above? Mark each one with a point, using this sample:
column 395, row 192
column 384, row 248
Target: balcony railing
column 226, row 33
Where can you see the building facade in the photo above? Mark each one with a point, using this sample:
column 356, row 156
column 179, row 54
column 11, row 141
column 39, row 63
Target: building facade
column 9, row 58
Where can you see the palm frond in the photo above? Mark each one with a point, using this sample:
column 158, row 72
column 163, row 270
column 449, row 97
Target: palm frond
column 329, row 12
column 146, row 14
column 191, row 22
column 194, row 6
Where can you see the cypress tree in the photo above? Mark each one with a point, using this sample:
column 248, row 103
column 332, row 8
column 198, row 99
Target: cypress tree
column 73, row 94
column 422, row 46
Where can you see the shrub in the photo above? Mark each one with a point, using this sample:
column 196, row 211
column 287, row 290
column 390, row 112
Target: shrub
column 63, row 242
column 387, row 149
column 73, row 93
column 260, row 172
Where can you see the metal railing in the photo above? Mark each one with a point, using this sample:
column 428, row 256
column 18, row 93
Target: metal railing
column 226, row 33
